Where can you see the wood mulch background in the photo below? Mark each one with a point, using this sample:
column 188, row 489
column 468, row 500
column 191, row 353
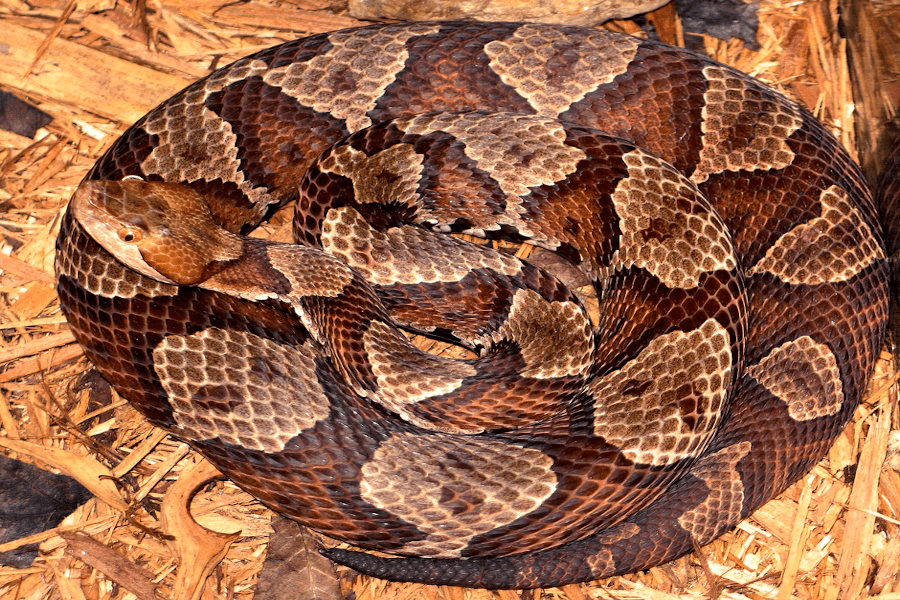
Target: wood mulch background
column 95, row 66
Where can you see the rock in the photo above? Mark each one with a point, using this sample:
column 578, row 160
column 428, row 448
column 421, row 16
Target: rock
column 566, row 12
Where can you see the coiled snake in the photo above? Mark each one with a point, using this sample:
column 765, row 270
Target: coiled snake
column 734, row 248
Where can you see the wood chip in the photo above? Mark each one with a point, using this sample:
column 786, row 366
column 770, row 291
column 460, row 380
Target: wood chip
column 36, row 346
column 68, row 72
column 112, row 564
column 197, row 549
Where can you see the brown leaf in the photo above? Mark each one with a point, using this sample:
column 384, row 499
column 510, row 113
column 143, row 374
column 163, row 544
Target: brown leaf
column 20, row 117
column 86, row 470
column 294, row 568
column 31, row 501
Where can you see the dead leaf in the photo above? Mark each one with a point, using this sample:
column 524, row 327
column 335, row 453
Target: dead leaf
column 293, row 565
column 33, row 500
column 20, row 117
column 89, row 473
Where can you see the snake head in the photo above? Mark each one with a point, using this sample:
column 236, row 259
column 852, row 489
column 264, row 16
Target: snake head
column 164, row 231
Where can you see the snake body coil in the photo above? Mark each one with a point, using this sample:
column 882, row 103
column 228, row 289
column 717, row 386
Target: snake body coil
column 734, row 248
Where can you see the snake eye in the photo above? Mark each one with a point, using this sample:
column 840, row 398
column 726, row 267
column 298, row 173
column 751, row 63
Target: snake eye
column 130, row 235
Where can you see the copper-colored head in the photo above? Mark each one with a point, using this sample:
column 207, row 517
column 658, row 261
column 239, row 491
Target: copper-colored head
column 161, row 230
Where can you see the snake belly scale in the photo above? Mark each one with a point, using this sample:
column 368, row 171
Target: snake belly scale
column 733, row 245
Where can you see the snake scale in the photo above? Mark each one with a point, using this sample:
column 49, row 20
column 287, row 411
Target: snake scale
column 735, row 250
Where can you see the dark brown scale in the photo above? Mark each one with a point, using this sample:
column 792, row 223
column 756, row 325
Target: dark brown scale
column 449, row 72
column 761, row 207
column 586, row 220
column 634, row 309
column 275, row 155
column 318, row 193
column 496, row 400
column 483, row 297
column 316, row 480
column 139, row 144
column 595, row 482
column 606, row 515
column 297, row 51
column 120, row 333
column 656, row 104
column 450, row 188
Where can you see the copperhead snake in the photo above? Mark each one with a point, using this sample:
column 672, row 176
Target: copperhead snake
column 735, row 250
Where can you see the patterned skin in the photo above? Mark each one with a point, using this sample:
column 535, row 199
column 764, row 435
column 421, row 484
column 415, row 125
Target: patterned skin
column 741, row 275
